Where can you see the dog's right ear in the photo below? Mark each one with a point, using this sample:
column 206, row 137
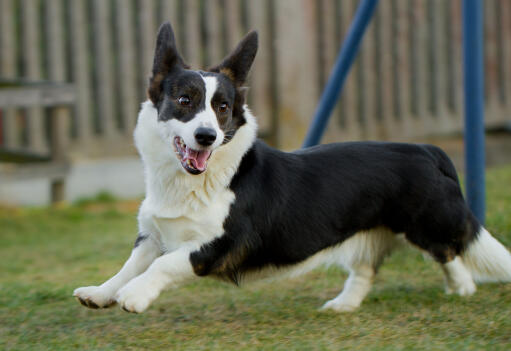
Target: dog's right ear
column 166, row 58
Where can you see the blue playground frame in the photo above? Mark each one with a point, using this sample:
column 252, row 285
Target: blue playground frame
column 473, row 69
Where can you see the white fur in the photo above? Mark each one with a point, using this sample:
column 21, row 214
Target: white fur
column 141, row 257
column 361, row 255
column 355, row 290
column 458, row 278
column 179, row 214
column 168, row 270
column 487, row 259
column 364, row 248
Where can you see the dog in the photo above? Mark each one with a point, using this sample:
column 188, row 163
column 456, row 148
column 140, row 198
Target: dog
column 221, row 203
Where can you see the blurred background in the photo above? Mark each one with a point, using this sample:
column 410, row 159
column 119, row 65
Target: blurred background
column 73, row 74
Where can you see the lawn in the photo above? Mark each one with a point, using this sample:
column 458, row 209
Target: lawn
column 46, row 253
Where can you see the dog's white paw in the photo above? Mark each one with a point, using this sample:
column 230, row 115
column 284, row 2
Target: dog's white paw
column 462, row 288
column 339, row 306
column 466, row 289
column 94, row 297
column 137, row 295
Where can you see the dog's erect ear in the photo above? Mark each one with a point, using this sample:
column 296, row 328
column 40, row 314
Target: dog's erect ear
column 166, row 58
column 237, row 64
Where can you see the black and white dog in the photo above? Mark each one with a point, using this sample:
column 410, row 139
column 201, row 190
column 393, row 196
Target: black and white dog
column 221, row 203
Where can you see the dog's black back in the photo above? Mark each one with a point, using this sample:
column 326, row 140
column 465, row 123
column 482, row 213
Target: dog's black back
column 291, row 205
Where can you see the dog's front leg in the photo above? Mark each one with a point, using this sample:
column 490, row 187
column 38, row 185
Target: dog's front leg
column 145, row 251
column 168, row 270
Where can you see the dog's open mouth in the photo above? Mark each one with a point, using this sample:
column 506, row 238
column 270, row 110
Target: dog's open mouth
column 193, row 161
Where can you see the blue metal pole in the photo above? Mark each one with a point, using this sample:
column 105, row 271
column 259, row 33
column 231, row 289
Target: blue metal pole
column 340, row 71
column 473, row 71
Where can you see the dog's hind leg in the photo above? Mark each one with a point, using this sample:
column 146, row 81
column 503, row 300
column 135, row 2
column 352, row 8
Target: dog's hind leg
column 356, row 288
column 458, row 278
column 362, row 254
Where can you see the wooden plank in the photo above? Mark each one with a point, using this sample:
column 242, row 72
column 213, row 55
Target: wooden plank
column 492, row 66
column 81, row 70
column 387, row 120
column 432, row 61
column 148, row 31
column 442, row 70
column 298, row 96
column 193, row 39
column 22, row 156
column 233, row 20
column 506, row 51
column 40, row 95
column 501, row 18
column 129, row 101
column 59, row 125
column 358, row 76
column 55, row 33
column 213, row 40
column 32, row 63
column 170, row 13
column 421, row 64
column 259, row 80
column 330, row 46
column 450, row 44
column 405, row 124
column 456, row 18
column 349, row 96
column 59, row 121
column 367, row 85
column 488, row 47
column 54, row 170
column 104, row 68
column 8, row 49
column 378, row 53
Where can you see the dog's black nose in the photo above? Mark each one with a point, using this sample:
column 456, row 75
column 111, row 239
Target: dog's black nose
column 205, row 136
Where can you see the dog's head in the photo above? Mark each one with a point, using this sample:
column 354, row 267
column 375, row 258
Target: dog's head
column 198, row 111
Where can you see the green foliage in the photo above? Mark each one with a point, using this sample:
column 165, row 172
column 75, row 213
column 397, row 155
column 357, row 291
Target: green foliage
column 46, row 253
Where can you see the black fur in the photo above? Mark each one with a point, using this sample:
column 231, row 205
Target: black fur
column 289, row 206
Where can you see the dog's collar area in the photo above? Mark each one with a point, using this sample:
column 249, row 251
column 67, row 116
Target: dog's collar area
column 193, row 161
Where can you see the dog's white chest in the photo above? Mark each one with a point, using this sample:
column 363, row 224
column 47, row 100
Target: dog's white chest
column 192, row 226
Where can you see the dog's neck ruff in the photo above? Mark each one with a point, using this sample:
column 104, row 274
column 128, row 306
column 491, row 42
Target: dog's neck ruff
column 169, row 189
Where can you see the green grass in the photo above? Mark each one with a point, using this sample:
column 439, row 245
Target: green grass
column 46, row 253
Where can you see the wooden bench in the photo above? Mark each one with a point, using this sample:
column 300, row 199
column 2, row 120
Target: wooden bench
column 21, row 162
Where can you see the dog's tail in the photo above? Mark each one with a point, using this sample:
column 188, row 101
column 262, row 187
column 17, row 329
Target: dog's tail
column 487, row 259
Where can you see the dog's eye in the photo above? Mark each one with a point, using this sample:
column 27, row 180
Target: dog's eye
column 184, row 100
column 223, row 107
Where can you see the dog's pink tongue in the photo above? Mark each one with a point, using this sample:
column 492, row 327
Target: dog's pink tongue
column 198, row 158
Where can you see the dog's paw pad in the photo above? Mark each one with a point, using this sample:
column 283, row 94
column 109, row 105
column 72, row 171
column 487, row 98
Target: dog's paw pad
column 88, row 303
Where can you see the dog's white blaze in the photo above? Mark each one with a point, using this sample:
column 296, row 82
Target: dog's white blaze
column 205, row 118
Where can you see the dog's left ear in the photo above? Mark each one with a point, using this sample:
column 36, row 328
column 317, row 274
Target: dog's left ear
column 237, row 64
